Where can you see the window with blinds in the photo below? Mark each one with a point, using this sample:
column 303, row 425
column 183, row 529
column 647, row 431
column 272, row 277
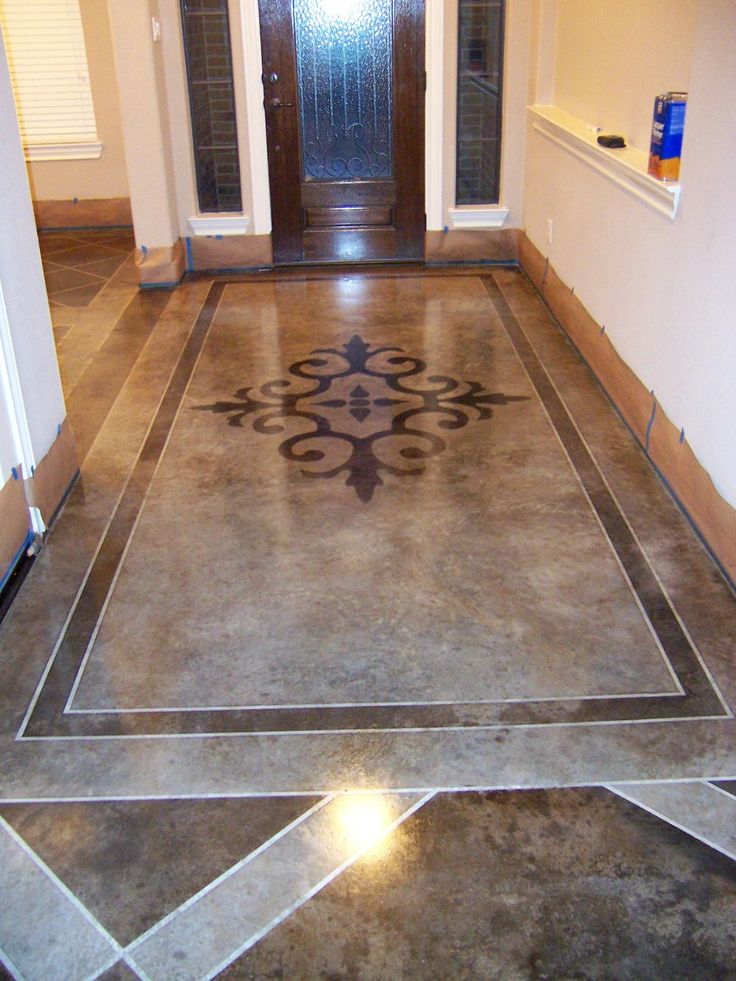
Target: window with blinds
column 44, row 41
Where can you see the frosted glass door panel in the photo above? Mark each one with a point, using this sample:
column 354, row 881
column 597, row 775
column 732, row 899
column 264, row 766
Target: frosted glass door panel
column 343, row 50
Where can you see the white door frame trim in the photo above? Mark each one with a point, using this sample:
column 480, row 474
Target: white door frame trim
column 257, row 146
column 11, row 395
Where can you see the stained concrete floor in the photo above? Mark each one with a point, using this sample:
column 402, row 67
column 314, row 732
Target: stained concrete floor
column 352, row 556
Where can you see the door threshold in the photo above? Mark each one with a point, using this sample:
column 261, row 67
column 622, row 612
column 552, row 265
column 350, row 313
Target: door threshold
column 297, row 270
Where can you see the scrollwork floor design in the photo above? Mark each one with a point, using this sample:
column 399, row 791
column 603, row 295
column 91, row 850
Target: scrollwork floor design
column 387, row 399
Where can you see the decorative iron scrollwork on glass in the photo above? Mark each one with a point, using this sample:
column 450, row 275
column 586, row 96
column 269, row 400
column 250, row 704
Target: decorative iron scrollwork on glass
column 206, row 35
column 345, row 93
column 479, row 100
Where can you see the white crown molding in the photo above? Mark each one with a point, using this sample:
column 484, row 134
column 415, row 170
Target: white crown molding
column 626, row 167
column 219, row 224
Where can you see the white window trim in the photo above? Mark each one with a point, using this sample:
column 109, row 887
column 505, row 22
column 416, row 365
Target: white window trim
column 63, row 151
column 219, row 224
column 478, row 216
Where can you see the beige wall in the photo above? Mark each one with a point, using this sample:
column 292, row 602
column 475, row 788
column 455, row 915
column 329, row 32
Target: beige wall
column 59, row 180
column 142, row 89
column 664, row 289
column 612, row 58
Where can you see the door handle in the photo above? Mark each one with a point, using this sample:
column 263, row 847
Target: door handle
column 278, row 104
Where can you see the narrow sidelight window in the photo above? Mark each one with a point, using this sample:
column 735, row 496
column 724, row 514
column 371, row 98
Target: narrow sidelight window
column 212, row 104
column 479, row 82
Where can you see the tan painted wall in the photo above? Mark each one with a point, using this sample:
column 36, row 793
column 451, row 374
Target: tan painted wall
column 664, row 289
column 59, row 180
column 613, row 58
column 141, row 83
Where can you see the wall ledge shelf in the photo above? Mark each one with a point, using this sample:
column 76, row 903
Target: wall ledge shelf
column 626, row 168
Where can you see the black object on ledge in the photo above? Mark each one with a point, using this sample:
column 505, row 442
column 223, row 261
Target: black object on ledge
column 612, row 141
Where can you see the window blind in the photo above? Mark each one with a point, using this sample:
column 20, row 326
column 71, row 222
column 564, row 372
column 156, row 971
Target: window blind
column 48, row 67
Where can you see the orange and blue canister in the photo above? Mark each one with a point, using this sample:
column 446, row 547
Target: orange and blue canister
column 667, row 130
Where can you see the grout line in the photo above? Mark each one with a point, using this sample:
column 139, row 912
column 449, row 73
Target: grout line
column 154, row 710
column 108, row 524
column 64, row 889
column 10, row 967
column 310, row 893
column 84, row 271
column 105, row 967
column 668, row 819
column 368, row 731
column 584, row 489
column 693, row 647
column 135, row 968
column 720, row 790
column 229, row 872
column 366, row 792
column 139, row 514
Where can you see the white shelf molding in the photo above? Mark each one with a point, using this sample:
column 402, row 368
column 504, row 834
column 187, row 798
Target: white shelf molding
column 219, row 224
column 478, row 216
column 627, row 168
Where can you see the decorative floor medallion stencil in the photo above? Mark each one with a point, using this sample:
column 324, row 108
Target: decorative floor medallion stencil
column 361, row 410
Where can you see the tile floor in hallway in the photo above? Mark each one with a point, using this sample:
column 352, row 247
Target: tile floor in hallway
column 78, row 264
column 363, row 599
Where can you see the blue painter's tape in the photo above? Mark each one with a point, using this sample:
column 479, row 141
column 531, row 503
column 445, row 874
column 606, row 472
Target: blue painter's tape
column 16, row 473
column 190, row 254
column 58, row 430
column 144, row 250
column 651, row 422
column 446, row 229
column 218, row 237
column 682, row 436
column 16, row 559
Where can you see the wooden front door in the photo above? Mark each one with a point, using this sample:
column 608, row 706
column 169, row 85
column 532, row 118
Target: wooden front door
column 343, row 88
